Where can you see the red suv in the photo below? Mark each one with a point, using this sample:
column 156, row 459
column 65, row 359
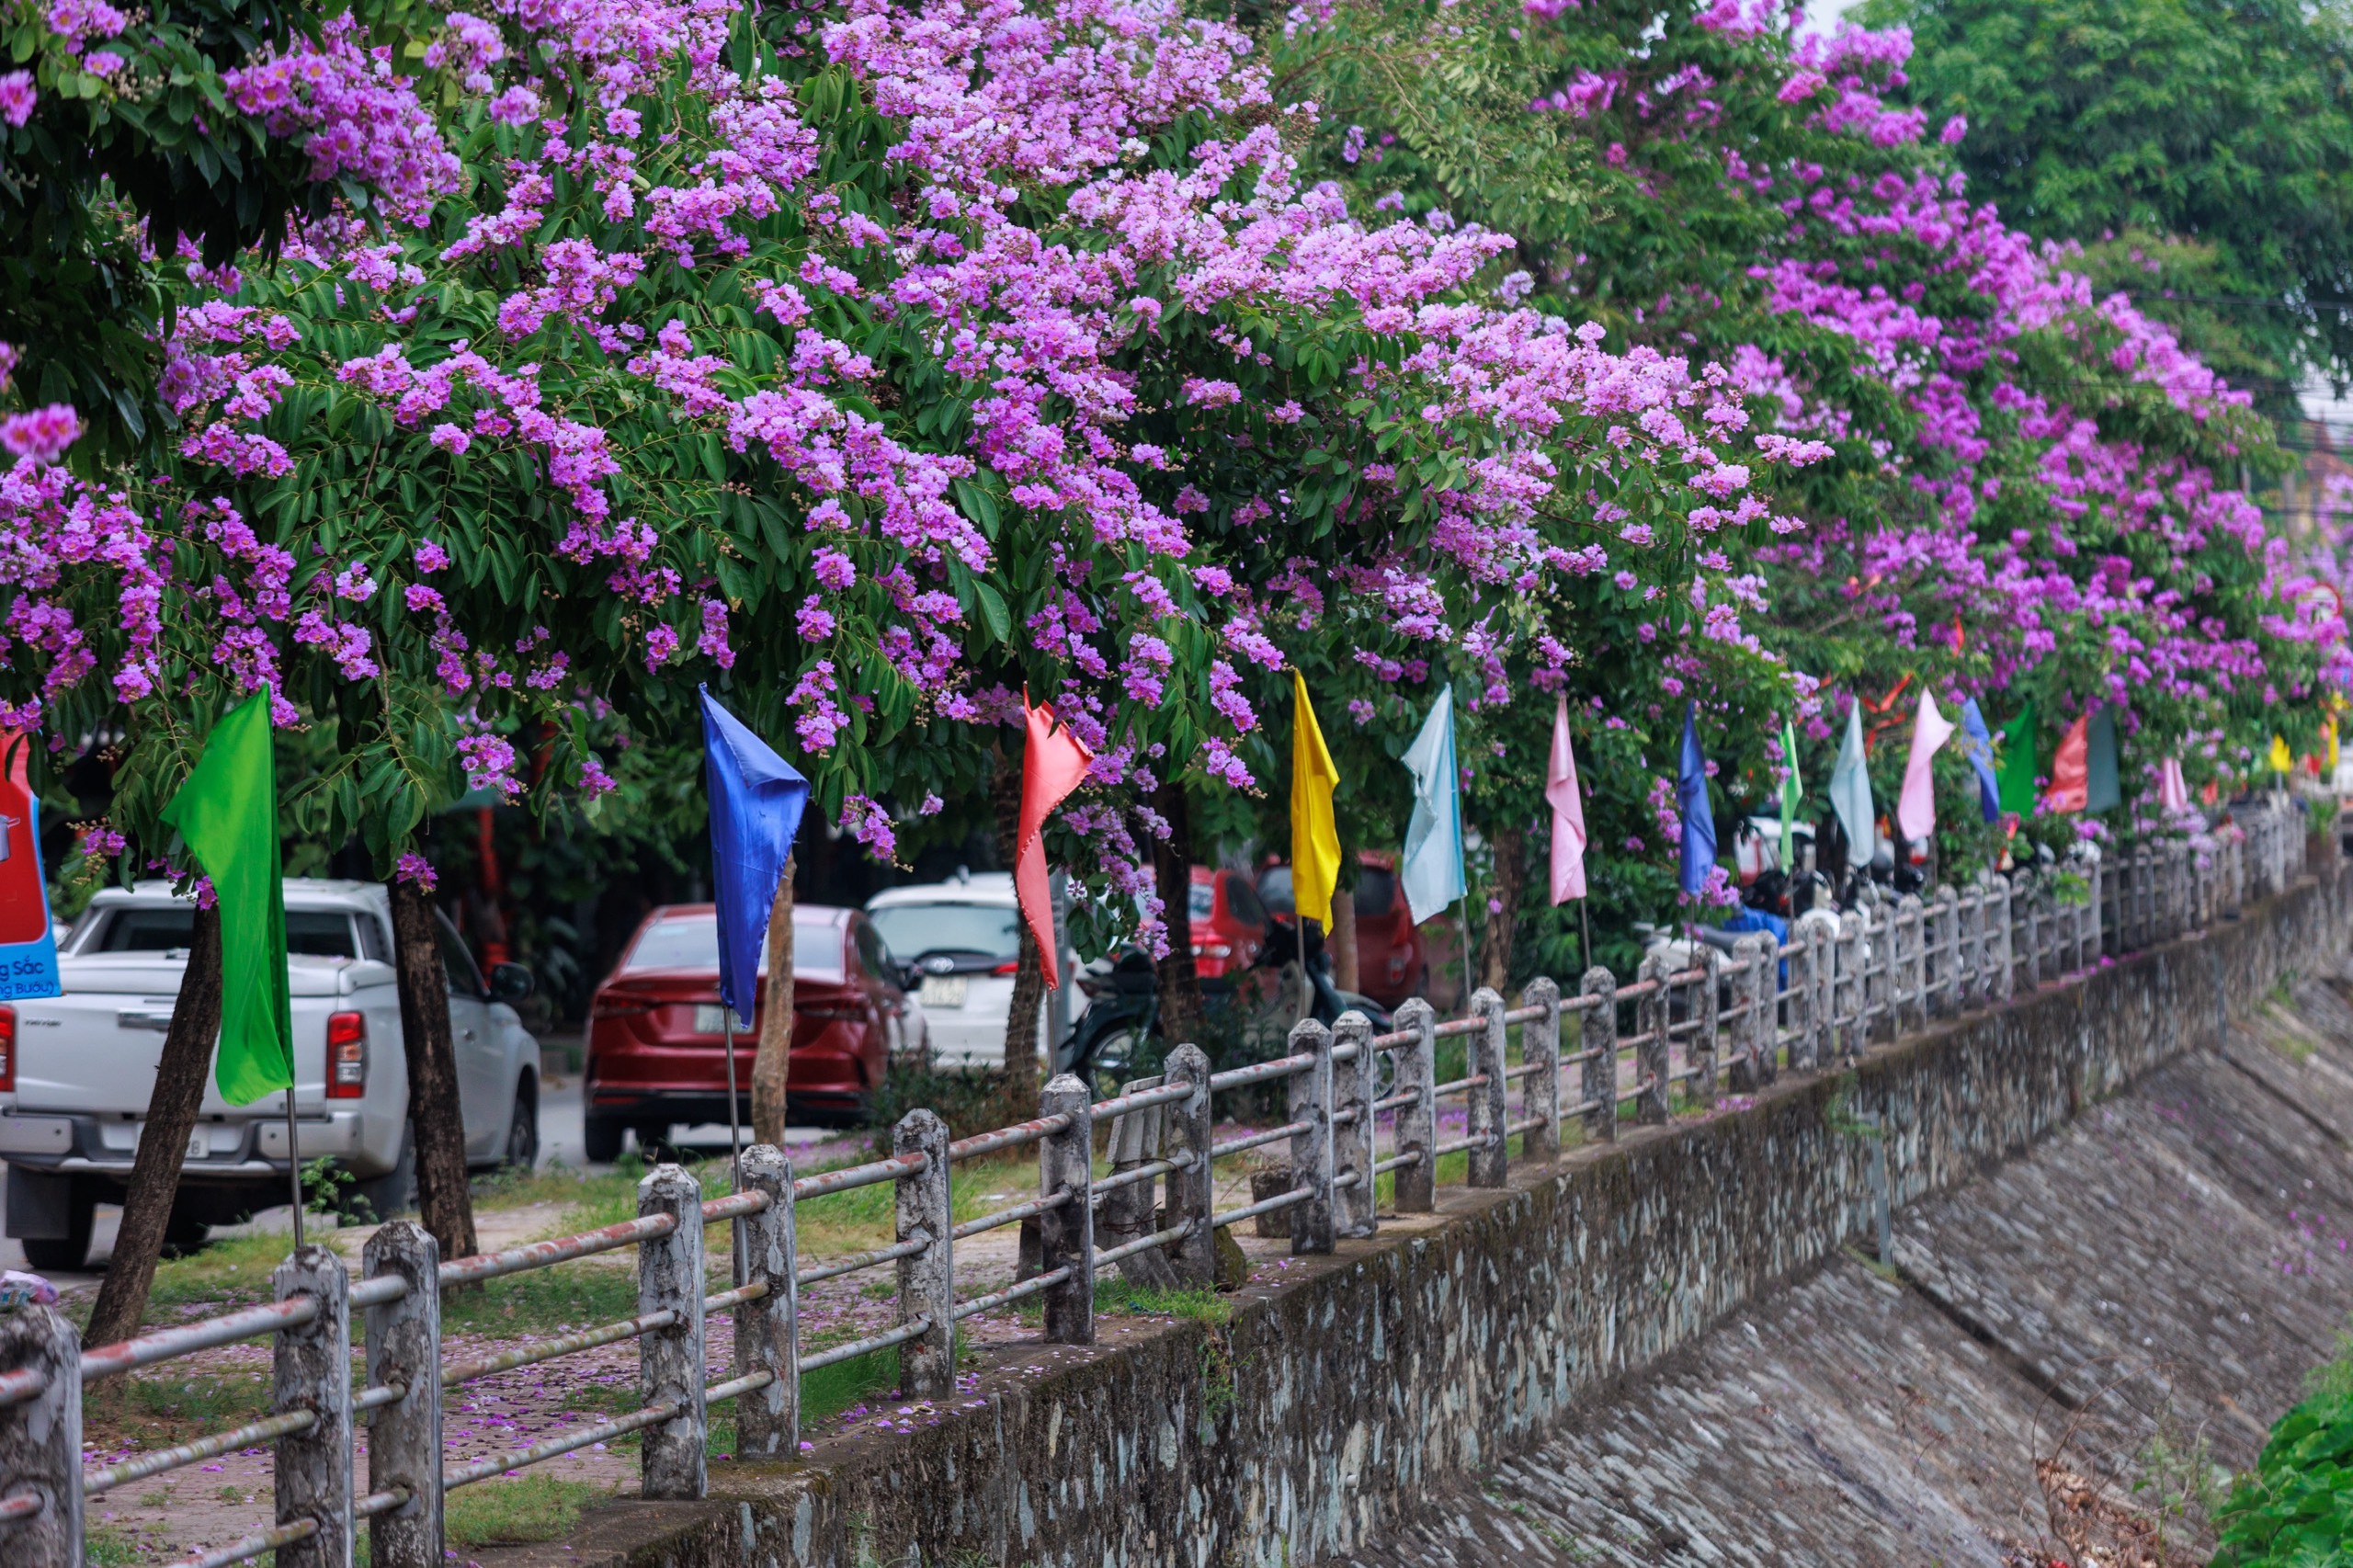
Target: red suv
column 656, row 1046
column 1229, row 924
column 1391, row 963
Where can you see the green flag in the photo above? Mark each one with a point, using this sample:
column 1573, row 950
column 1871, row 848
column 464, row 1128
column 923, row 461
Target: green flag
column 227, row 813
column 1793, row 792
column 2014, row 772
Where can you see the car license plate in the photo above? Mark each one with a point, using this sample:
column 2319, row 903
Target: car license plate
column 711, row 1017
column 941, row 990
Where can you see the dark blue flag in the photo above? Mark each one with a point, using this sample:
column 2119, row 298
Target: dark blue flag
column 1977, row 745
column 756, row 803
column 1699, row 822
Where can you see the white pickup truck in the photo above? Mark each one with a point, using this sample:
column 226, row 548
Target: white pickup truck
column 80, row 1067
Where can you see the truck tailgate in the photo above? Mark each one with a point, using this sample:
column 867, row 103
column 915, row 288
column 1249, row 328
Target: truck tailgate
column 96, row 1049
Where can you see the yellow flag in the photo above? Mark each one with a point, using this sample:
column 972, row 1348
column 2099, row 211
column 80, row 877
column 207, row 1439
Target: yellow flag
column 2282, row 759
column 1314, row 840
column 2331, row 732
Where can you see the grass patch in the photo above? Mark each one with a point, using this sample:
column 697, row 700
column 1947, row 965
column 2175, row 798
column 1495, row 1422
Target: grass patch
column 829, row 1390
column 512, row 1187
column 514, row 1512
column 206, row 1402
column 112, row 1546
column 232, row 1271
column 581, row 1294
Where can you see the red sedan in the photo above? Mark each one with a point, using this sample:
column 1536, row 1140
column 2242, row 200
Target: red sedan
column 656, row 1046
column 1229, row 924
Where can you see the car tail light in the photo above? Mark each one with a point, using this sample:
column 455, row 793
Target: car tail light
column 346, row 1056
column 8, row 1050
column 1211, row 950
column 1010, row 966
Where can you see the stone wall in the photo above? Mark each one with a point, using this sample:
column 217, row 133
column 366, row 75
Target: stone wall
column 1335, row 1400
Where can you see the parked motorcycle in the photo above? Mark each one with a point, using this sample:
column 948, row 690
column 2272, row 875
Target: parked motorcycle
column 1121, row 1033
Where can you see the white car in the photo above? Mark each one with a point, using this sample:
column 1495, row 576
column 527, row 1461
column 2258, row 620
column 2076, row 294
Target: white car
column 962, row 939
column 73, row 1089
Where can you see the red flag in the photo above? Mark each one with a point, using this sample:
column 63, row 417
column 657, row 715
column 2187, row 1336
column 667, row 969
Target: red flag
column 1052, row 767
column 2070, row 769
column 24, row 901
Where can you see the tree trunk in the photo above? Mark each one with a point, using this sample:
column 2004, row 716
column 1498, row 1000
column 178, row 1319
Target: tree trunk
column 436, row 1122
column 1172, row 867
column 773, row 1062
column 1342, row 945
column 1511, row 881
column 1021, row 1024
column 1028, row 977
column 172, row 1111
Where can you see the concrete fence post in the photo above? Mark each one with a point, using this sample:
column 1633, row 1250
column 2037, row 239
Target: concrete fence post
column 1418, row 1118
column 1189, row 1189
column 1911, row 963
column 41, row 1439
column 1311, row 1146
column 1811, row 936
column 1752, row 989
column 1706, row 1001
column 1597, row 1043
column 767, row 1332
column 1879, row 967
column 1654, row 1053
column 927, row 1278
column 1490, row 1160
column 1948, row 950
column 1738, row 1018
column 1352, row 1204
column 1540, row 1045
column 2030, row 926
column 403, row 1340
column 1130, row 1211
column 1973, row 945
column 1847, row 999
column 1823, row 1017
column 670, row 1359
column 311, row 1369
column 1066, row 1232
column 2088, row 933
column 2003, row 954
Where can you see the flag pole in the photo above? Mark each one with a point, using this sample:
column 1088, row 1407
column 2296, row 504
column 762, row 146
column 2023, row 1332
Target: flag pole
column 1306, row 983
column 1585, row 929
column 1466, row 946
column 734, row 1144
column 293, row 1161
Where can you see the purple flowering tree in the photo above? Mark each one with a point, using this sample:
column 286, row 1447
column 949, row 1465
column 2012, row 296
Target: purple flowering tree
column 2008, row 487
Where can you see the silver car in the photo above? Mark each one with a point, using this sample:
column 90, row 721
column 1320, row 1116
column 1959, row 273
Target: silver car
column 962, row 941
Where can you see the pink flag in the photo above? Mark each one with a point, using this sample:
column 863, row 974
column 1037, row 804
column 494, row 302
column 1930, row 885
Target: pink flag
column 1568, row 812
column 2172, row 791
column 1916, row 809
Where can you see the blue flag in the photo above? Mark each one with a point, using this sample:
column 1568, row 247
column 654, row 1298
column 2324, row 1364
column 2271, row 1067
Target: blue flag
column 1977, row 745
column 1691, row 794
column 1432, row 866
column 756, row 803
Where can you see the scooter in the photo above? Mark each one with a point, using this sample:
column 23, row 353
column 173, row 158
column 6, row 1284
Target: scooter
column 1121, row 1031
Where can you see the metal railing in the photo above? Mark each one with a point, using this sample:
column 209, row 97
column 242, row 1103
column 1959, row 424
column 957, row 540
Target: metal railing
column 1840, row 981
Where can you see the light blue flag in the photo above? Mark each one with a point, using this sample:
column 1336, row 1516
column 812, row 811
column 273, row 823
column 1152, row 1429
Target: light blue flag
column 1432, row 870
column 1851, row 792
column 756, row 802
column 1977, row 745
column 1692, row 795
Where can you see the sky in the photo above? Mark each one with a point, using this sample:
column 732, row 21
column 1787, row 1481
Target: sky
column 1823, row 14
